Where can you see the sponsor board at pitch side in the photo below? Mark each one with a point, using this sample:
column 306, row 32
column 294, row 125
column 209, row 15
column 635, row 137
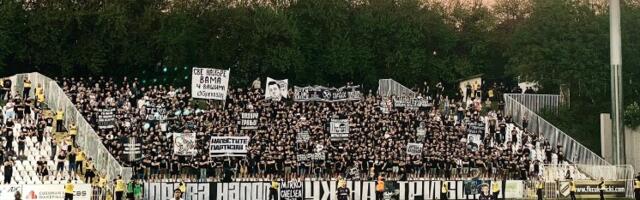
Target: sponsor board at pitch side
column 311, row 190
column 55, row 192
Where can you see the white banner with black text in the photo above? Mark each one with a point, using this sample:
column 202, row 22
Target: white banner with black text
column 209, row 83
column 414, row 148
column 55, row 192
column 220, row 146
column 339, row 129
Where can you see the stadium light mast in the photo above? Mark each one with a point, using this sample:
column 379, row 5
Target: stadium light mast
column 616, row 83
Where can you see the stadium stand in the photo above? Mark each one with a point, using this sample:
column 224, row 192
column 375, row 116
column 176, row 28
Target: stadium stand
column 463, row 138
column 30, row 154
column 378, row 141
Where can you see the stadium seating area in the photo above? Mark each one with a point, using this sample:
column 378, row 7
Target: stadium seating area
column 377, row 141
column 27, row 138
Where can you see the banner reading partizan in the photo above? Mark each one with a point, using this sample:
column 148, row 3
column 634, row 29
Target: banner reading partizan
column 220, row 146
column 414, row 148
column 209, row 83
column 276, row 89
column 320, row 93
column 184, row 144
column 339, row 129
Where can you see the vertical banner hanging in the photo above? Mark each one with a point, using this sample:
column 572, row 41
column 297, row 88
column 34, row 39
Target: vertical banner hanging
column 209, row 83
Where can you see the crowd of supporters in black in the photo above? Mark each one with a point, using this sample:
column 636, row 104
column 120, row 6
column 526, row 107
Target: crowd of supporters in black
column 376, row 144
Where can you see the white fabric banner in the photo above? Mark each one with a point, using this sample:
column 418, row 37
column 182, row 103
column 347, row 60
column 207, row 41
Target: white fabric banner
column 220, row 146
column 184, row 144
column 55, row 192
column 414, row 148
column 514, row 189
column 474, row 138
column 209, row 83
column 421, row 132
column 276, row 89
column 339, row 129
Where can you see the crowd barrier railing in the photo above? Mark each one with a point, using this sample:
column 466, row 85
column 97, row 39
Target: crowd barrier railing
column 87, row 139
column 538, row 102
column 575, row 152
column 390, row 87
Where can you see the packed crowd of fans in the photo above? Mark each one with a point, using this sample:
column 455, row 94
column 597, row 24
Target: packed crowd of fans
column 376, row 145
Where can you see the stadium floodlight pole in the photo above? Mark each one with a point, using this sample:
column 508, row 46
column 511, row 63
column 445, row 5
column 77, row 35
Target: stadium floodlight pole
column 616, row 83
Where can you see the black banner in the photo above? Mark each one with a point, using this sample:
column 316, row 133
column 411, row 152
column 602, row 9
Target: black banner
column 156, row 112
column 312, row 190
column 249, row 120
column 320, row 93
column 291, row 190
column 303, row 136
column 106, row 118
column 476, row 128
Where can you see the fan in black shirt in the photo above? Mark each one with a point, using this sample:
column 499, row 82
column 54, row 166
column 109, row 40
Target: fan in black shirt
column 343, row 192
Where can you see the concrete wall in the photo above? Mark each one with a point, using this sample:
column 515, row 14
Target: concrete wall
column 631, row 137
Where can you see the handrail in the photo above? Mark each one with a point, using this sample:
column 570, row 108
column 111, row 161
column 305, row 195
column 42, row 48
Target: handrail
column 575, row 152
column 87, row 139
column 390, row 87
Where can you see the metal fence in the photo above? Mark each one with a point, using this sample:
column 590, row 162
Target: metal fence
column 389, row 87
column 609, row 172
column 575, row 152
column 87, row 139
column 538, row 102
